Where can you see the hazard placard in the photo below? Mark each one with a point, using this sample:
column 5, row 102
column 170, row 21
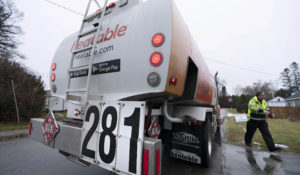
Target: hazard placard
column 50, row 127
column 154, row 129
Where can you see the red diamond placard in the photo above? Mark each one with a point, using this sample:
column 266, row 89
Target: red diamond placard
column 50, row 127
column 154, row 129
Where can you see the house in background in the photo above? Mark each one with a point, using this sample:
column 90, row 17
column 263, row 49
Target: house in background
column 294, row 100
column 277, row 102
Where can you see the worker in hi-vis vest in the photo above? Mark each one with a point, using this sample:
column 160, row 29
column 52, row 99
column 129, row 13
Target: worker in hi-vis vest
column 257, row 112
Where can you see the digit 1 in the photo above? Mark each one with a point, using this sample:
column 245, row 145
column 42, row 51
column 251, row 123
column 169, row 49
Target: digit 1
column 133, row 121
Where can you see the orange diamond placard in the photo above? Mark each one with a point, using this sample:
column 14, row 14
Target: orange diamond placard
column 50, row 127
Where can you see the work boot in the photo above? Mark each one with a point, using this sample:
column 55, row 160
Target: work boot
column 275, row 149
column 248, row 144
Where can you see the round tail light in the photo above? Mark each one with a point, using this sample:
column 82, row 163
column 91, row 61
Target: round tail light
column 173, row 81
column 112, row 4
column 53, row 66
column 53, row 77
column 76, row 112
column 156, row 59
column 158, row 39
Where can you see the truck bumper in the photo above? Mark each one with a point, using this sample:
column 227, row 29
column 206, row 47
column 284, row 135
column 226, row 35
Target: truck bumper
column 68, row 139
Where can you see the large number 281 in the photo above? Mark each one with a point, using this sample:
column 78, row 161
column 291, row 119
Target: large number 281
column 133, row 120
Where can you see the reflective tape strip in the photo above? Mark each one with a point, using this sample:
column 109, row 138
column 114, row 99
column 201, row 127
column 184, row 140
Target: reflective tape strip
column 257, row 118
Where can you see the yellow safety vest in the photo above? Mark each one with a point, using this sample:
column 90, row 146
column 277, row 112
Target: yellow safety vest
column 256, row 109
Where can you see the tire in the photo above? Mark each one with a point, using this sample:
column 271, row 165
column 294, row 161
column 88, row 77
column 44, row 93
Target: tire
column 206, row 144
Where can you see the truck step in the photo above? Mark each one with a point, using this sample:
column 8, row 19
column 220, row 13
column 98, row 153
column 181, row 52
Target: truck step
column 77, row 90
column 92, row 17
column 82, row 49
column 87, row 32
column 78, row 68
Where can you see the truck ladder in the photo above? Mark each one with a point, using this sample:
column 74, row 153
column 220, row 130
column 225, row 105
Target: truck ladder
column 90, row 48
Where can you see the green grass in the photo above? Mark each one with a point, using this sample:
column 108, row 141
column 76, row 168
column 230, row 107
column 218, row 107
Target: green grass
column 8, row 126
column 282, row 131
column 13, row 126
column 232, row 111
column 64, row 113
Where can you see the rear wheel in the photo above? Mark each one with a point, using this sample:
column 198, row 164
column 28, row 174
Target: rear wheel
column 206, row 144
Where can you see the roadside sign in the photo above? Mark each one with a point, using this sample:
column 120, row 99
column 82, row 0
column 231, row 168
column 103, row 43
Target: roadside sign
column 229, row 100
column 50, row 127
column 240, row 117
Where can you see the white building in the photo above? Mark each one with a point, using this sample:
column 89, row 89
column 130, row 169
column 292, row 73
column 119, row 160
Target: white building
column 277, row 102
column 294, row 100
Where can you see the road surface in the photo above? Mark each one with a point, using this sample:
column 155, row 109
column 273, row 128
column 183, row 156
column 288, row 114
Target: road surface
column 27, row 157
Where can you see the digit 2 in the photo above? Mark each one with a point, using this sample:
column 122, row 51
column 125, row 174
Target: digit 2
column 85, row 151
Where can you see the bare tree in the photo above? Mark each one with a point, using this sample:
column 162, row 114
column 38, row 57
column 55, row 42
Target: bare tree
column 237, row 90
column 259, row 86
column 9, row 17
column 286, row 79
column 295, row 74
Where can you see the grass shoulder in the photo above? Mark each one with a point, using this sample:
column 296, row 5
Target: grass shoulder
column 283, row 132
column 8, row 126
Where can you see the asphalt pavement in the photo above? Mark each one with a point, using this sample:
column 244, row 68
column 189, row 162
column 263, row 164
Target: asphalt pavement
column 27, row 157
column 8, row 135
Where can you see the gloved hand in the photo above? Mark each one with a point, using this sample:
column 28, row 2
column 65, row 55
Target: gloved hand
column 266, row 112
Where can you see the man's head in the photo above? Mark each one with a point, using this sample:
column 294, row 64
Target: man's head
column 260, row 95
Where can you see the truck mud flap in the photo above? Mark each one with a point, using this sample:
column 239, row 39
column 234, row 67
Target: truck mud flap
column 186, row 142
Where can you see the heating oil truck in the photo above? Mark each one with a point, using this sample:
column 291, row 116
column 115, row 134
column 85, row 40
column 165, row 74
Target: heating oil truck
column 136, row 88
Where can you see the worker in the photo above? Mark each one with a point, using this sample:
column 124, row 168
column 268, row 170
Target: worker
column 257, row 112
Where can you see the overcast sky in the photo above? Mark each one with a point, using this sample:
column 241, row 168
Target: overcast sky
column 259, row 35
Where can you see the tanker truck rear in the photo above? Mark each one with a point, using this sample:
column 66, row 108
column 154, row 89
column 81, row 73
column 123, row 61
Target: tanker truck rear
column 136, row 86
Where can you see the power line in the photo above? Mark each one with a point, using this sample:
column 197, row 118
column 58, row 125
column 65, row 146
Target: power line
column 64, row 7
column 242, row 68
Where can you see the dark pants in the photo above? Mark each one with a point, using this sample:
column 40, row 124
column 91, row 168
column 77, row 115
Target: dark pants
column 262, row 125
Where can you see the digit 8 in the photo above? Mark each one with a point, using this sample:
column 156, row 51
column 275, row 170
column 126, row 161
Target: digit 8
column 107, row 131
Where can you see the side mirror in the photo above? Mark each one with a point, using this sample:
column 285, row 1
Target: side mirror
column 224, row 91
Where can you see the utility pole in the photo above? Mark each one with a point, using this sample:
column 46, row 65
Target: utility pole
column 13, row 87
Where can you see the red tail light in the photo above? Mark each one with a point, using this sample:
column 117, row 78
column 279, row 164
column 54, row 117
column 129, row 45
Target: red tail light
column 158, row 39
column 145, row 162
column 53, row 77
column 156, row 59
column 30, row 128
column 99, row 10
column 173, row 81
column 76, row 112
column 112, row 4
column 157, row 161
column 53, row 66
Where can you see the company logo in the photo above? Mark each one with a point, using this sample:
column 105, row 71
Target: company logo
column 185, row 137
column 116, row 32
column 183, row 155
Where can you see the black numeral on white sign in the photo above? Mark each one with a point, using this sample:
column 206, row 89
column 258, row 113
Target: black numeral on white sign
column 85, row 151
column 133, row 120
column 108, row 131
